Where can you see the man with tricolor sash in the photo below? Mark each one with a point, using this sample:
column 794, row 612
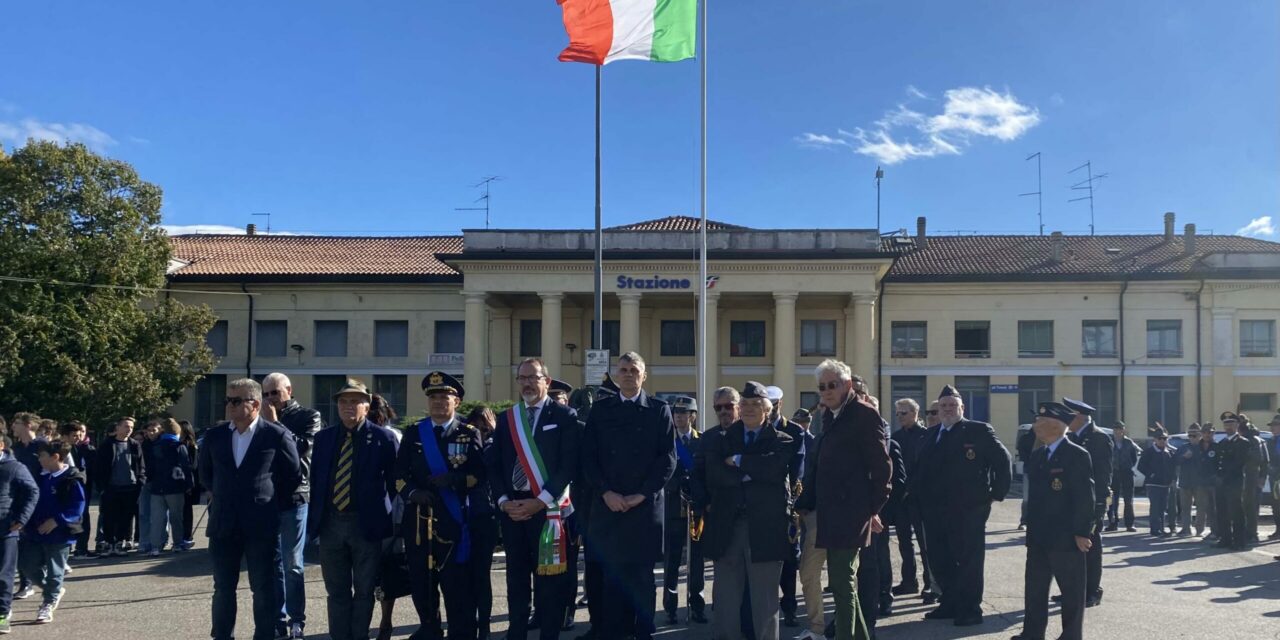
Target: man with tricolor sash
column 533, row 460
column 441, row 474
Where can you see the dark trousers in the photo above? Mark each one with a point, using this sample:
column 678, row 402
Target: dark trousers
column 119, row 508
column 1093, row 561
column 1121, row 489
column 868, row 584
column 188, row 522
column 956, row 540
column 259, row 551
column 520, row 540
column 593, row 589
column 675, row 533
column 1231, row 515
column 484, row 538
column 82, row 538
column 914, row 525
column 1159, row 497
column 1068, row 569
column 790, row 570
column 881, row 542
column 349, row 564
column 629, row 600
column 8, row 566
column 1250, row 508
column 450, row 579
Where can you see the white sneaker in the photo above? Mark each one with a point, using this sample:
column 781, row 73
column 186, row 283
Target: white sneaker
column 45, row 615
column 295, row 630
column 57, row 600
column 809, row 635
column 24, row 593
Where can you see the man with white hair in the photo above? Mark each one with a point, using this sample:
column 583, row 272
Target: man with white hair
column 910, row 437
column 279, row 406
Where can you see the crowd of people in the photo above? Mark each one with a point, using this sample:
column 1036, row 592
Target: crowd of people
column 596, row 492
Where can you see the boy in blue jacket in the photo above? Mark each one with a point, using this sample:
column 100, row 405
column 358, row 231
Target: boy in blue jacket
column 18, row 494
column 54, row 525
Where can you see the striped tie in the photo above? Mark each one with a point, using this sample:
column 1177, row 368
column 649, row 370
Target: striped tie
column 520, row 480
column 342, row 478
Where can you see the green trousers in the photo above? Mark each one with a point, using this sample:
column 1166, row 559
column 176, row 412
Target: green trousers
column 842, row 570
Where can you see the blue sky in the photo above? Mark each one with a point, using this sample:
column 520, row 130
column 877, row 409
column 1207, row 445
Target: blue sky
column 354, row 117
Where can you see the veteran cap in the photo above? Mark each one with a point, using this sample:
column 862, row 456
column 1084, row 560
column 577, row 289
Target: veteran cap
column 1056, row 411
column 1079, row 407
column 560, row 386
column 802, row 416
column 684, row 404
column 441, row 382
column 948, row 391
column 774, row 393
column 354, row 386
column 754, row 389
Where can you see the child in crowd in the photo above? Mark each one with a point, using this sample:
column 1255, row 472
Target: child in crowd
column 49, row 535
column 169, row 478
column 120, row 473
column 18, row 496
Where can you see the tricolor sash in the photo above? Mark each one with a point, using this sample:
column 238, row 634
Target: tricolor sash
column 552, row 545
column 452, row 503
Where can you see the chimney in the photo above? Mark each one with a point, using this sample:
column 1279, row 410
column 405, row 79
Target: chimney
column 920, row 237
column 1056, row 240
column 1189, row 239
column 1168, row 227
column 251, row 230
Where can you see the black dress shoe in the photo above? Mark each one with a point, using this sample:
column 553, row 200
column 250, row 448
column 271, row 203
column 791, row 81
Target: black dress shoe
column 590, row 634
column 671, row 617
column 789, row 620
column 929, row 597
column 905, row 589
column 885, row 610
column 568, row 621
column 698, row 617
column 1110, row 527
column 969, row 621
column 533, row 620
column 1057, row 598
column 1093, row 600
column 939, row 614
column 1026, row 637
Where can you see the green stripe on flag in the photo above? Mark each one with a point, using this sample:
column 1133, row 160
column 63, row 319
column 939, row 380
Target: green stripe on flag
column 675, row 30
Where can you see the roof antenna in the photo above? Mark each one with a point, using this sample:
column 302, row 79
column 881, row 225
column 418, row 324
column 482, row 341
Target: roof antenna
column 268, row 215
column 879, row 177
column 1037, row 193
column 485, row 182
column 1088, row 186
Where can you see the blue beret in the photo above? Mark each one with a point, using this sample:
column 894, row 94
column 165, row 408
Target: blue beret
column 754, row 389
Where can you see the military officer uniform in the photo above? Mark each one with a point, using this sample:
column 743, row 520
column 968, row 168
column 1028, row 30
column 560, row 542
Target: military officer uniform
column 678, row 494
column 1099, row 446
column 441, row 471
column 1061, row 509
column 1231, row 456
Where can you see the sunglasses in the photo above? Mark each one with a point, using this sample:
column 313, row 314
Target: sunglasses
column 931, row 412
column 235, row 402
column 830, row 386
column 722, row 407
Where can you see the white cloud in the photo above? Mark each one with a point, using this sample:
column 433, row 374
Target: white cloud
column 1260, row 226
column 18, row 132
column 219, row 229
column 903, row 133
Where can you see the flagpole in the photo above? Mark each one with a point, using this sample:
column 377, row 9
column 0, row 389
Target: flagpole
column 704, row 384
column 599, row 266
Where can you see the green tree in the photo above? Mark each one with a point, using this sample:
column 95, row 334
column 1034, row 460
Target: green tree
column 86, row 330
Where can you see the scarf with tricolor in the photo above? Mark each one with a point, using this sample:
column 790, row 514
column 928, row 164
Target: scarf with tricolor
column 553, row 551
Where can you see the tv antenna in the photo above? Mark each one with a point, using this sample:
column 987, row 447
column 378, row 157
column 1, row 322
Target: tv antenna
column 268, row 215
column 879, row 177
column 1086, row 185
column 1038, row 193
column 485, row 182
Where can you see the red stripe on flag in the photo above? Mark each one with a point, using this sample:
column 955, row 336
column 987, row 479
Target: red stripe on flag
column 589, row 24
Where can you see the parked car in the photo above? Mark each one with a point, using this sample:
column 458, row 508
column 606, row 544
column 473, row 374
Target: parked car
column 1179, row 440
column 1137, row 475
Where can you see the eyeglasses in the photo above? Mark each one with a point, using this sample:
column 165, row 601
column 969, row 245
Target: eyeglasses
column 830, row 386
column 235, row 402
column 524, row 379
column 273, row 393
column 931, row 412
column 722, row 407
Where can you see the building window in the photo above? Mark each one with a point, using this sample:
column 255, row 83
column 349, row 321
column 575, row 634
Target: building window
column 910, row 340
column 271, row 338
column 906, row 387
column 211, row 393
column 612, row 331
column 1258, row 403
column 1035, row 338
column 217, row 338
column 1098, row 338
column 808, row 400
column 393, row 389
column 677, row 338
column 1164, row 338
column 1257, row 338
column 1032, row 390
column 331, row 338
column 323, row 388
column 530, row 338
column 391, row 338
column 1101, row 393
column 1164, row 402
column 746, row 339
column 975, row 391
column 451, row 336
column 973, row 339
column 817, row 337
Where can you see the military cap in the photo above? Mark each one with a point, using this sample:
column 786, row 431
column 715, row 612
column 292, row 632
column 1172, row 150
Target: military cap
column 1243, row 418
column 1056, row 411
column 683, row 404
column 774, row 393
column 1079, row 407
column 948, row 391
column 802, row 416
column 1159, row 433
column 1227, row 416
column 354, row 386
column 439, row 381
column 1194, row 428
column 560, row 386
column 754, row 389
column 1118, row 424
column 1275, row 420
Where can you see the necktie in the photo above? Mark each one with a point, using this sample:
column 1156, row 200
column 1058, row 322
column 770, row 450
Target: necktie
column 342, row 477
column 520, row 481
column 751, row 438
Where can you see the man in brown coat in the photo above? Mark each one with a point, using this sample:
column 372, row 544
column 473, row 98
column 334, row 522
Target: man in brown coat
column 847, row 485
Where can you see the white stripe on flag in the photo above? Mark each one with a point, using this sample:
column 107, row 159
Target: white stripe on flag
column 632, row 30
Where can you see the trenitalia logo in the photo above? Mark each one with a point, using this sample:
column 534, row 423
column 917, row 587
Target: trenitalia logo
column 655, row 282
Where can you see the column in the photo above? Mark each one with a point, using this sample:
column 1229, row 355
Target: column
column 1220, row 372
column 552, row 335
column 501, row 384
column 476, row 356
column 862, row 339
column 629, row 322
column 712, row 348
column 784, row 344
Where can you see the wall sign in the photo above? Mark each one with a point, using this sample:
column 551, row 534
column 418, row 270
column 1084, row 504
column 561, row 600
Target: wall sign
column 1004, row 388
column 627, row 282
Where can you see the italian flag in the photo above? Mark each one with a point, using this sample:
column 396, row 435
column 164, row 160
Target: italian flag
column 604, row 31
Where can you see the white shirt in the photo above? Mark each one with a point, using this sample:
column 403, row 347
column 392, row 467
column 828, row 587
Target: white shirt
column 635, row 398
column 536, row 409
column 240, row 441
column 1054, row 445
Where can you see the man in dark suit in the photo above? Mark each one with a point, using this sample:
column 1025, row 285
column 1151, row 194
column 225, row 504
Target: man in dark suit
column 249, row 466
column 531, row 465
column 963, row 468
column 1060, row 522
column 848, row 484
column 1084, row 432
column 795, row 471
column 910, row 437
column 628, row 451
column 1231, row 456
column 679, row 504
column 585, row 497
column 353, row 479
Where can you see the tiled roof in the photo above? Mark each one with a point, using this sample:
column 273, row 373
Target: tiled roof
column 676, row 223
column 1031, row 257
column 283, row 255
